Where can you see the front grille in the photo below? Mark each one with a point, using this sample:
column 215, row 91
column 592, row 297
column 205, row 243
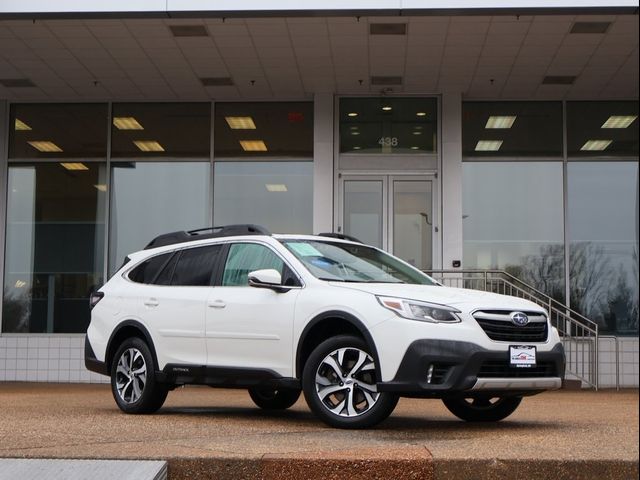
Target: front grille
column 502, row 369
column 497, row 325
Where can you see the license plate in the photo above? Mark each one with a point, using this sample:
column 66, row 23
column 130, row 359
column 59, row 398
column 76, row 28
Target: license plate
column 522, row 356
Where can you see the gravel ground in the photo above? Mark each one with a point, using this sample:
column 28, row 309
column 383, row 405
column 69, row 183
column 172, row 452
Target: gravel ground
column 554, row 431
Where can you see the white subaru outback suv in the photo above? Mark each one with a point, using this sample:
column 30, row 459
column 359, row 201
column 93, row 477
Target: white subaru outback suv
column 351, row 326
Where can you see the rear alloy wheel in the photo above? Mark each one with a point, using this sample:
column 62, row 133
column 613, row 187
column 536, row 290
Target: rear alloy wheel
column 339, row 383
column 274, row 398
column 482, row 408
column 133, row 382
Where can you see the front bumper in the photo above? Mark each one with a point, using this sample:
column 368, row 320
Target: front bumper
column 463, row 367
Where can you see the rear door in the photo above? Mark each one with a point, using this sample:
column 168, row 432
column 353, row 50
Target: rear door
column 251, row 327
column 174, row 306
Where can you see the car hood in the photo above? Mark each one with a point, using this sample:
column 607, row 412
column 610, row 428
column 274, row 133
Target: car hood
column 461, row 298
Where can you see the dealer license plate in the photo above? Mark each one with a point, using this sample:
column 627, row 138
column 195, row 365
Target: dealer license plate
column 522, row 356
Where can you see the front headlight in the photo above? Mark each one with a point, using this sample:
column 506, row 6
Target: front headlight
column 423, row 311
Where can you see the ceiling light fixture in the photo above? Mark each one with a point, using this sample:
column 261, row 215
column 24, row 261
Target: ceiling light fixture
column 352, row 114
column 595, row 145
column 276, row 187
column 45, row 146
column 500, row 121
column 253, row 145
column 74, row 166
column 617, row 121
column 357, row 148
column 127, row 123
column 240, row 123
column 415, row 148
column 20, row 125
column 148, row 146
column 387, row 108
column 421, row 114
column 488, row 145
column 417, row 132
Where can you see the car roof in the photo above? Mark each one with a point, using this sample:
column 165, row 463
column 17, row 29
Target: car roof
column 149, row 252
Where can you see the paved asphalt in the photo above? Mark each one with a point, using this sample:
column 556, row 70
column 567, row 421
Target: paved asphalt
column 212, row 433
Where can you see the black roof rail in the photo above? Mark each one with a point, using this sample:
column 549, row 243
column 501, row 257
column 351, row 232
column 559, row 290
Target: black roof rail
column 198, row 234
column 341, row 236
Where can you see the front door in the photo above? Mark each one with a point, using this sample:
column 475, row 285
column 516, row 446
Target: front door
column 392, row 212
column 250, row 327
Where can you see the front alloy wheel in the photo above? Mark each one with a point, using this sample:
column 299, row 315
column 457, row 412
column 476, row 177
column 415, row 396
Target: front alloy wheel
column 339, row 382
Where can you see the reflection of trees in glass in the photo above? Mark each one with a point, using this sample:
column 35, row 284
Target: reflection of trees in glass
column 590, row 275
column 544, row 271
column 602, row 290
column 16, row 311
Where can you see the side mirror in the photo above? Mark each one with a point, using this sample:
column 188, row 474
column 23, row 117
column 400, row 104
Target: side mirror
column 267, row 278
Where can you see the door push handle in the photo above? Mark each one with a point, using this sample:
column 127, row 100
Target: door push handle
column 151, row 302
column 217, row 304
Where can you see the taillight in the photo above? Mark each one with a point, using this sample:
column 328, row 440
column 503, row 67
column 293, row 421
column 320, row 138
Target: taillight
column 94, row 298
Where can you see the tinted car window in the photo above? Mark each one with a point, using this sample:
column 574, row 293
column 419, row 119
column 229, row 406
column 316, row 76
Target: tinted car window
column 195, row 266
column 164, row 278
column 146, row 272
column 247, row 257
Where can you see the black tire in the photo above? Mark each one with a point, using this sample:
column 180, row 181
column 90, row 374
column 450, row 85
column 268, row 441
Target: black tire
column 482, row 409
column 353, row 404
column 274, row 398
column 133, row 392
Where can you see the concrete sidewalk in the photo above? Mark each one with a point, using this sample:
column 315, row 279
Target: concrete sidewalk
column 209, row 433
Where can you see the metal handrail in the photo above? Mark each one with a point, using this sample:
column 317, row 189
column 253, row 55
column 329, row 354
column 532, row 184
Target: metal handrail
column 529, row 287
column 579, row 334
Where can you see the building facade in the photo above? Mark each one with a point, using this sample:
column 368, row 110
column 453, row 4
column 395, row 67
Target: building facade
column 483, row 137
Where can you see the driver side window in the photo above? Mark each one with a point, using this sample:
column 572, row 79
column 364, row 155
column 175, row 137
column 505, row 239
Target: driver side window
column 244, row 258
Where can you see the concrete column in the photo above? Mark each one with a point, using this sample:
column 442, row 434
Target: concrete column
column 4, row 142
column 323, row 163
column 451, row 178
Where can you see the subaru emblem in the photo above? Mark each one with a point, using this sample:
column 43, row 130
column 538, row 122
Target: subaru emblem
column 519, row 318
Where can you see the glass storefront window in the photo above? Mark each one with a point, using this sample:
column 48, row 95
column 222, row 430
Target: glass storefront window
column 513, row 221
column 58, row 131
column 265, row 129
column 603, row 249
column 276, row 195
column 54, row 245
column 145, row 130
column 152, row 198
column 602, row 129
column 512, row 129
column 388, row 125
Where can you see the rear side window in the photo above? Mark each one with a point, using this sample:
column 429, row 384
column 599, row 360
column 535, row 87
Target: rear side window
column 195, row 266
column 164, row 278
column 147, row 271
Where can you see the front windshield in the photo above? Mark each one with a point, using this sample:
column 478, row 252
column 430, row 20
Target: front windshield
column 347, row 262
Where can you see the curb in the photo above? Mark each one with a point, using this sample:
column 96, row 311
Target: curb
column 411, row 463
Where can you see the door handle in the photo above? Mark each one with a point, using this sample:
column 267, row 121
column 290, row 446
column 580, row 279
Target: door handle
column 151, row 302
column 216, row 304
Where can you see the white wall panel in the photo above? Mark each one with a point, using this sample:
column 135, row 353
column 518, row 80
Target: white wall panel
column 79, row 6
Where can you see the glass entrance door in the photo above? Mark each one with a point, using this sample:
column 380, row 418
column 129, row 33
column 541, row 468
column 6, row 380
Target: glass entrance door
column 392, row 212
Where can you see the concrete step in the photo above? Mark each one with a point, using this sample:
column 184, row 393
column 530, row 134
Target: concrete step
column 64, row 469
